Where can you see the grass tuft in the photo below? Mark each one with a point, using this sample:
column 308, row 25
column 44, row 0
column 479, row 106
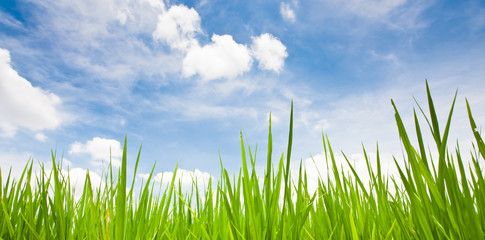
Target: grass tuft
column 431, row 198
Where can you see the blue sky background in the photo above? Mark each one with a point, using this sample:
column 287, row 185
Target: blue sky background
column 184, row 77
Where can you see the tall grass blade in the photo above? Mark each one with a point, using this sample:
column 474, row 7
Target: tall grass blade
column 121, row 198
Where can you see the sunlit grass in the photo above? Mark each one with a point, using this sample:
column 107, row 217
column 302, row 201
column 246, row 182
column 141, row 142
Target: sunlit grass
column 431, row 199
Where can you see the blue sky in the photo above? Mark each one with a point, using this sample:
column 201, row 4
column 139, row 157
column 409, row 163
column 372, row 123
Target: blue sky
column 184, row 77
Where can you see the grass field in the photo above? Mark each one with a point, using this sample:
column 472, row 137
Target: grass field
column 433, row 199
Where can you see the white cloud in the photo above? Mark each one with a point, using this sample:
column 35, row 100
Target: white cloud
column 316, row 167
column 287, row 12
column 223, row 58
column 23, row 105
column 185, row 177
column 177, row 27
column 77, row 178
column 99, row 150
column 269, row 51
column 14, row 161
column 41, row 137
column 66, row 162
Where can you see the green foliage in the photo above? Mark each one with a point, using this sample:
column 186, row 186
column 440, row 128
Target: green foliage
column 428, row 201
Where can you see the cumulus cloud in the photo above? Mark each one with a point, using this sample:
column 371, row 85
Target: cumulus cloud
column 23, row 105
column 99, row 150
column 316, row 167
column 287, row 12
column 15, row 162
column 77, row 177
column 177, row 27
column 269, row 51
column 185, row 177
column 223, row 58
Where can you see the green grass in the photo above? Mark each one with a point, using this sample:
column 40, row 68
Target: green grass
column 432, row 198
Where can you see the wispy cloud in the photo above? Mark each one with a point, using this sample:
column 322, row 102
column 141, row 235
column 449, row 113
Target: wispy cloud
column 196, row 110
column 105, row 40
column 41, row 137
column 9, row 21
column 371, row 9
column 355, row 15
column 287, row 12
column 389, row 57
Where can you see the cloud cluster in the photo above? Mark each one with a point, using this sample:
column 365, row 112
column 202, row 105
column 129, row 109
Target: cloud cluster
column 108, row 43
column 23, row 105
column 222, row 57
column 101, row 150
